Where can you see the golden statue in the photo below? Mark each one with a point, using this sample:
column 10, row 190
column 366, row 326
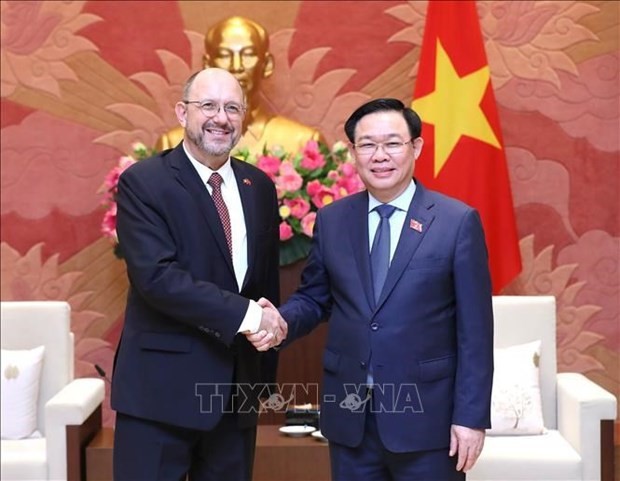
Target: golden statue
column 241, row 46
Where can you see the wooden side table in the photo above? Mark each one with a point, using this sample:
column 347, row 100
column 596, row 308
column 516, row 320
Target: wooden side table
column 282, row 458
column 99, row 456
column 277, row 458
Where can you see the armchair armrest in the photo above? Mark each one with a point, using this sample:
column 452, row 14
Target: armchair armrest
column 71, row 406
column 582, row 405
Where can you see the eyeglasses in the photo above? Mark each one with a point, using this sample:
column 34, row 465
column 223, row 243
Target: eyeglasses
column 391, row 148
column 210, row 109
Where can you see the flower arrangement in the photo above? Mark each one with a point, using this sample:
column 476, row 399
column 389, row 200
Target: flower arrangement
column 305, row 182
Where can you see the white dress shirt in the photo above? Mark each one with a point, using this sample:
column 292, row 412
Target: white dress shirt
column 232, row 198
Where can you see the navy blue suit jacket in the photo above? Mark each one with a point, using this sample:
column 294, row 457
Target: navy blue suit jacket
column 179, row 352
column 430, row 334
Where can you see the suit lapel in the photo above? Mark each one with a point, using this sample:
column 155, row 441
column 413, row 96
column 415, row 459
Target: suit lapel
column 249, row 202
column 410, row 238
column 357, row 227
column 188, row 177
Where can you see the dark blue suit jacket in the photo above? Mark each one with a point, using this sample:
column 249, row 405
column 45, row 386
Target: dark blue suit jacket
column 179, row 351
column 430, row 335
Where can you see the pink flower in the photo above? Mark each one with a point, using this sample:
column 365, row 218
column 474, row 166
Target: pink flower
column 110, row 181
column 125, row 162
column 339, row 192
column 286, row 232
column 350, row 180
column 280, row 191
column 312, row 157
column 269, row 164
column 299, row 206
column 350, row 185
column 323, row 197
column 333, row 175
column 111, row 178
column 307, row 223
column 108, row 224
column 289, row 179
column 348, row 169
column 313, row 187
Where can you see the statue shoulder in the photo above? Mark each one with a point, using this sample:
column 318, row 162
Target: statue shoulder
column 282, row 124
column 170, row 139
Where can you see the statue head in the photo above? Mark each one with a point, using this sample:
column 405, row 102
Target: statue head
column 240, row 46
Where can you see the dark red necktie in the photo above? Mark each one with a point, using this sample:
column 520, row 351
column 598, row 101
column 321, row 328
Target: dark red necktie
column 215, row 181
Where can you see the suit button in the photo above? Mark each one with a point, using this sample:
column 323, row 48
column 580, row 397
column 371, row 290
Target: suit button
column 217, row 334
column 374, row 326
column 362, row 364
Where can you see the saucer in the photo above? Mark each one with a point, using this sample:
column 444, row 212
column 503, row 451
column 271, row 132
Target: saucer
column 297, row 431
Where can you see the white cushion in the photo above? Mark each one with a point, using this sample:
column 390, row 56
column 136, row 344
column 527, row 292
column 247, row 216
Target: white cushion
column 515, row 402
column 24, row 459
column 522, row 319
column 20, row 375
column 28, row 324
column 510, row 458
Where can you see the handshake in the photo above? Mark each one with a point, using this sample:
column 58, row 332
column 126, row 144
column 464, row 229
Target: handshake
column 272, row 330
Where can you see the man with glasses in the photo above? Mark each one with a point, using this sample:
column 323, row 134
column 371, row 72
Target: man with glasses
column 401, row 274
column 241, row 46
column 199, row 233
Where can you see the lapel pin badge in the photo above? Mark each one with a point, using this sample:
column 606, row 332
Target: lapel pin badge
column 415, row 225
column 247, row 181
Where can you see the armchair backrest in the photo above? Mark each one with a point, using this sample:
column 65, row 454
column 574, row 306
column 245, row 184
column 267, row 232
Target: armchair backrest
column 28, row 324
column 522, row 319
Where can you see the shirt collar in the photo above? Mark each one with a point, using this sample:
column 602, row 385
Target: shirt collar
column 205, row 172
column 402, row 202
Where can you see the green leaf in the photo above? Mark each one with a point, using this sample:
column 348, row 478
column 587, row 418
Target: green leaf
column 294, row 249
column 243, row 154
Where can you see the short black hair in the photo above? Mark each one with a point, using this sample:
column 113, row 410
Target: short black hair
column 384, row 105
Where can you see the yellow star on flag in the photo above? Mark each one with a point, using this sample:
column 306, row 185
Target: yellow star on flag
column 454, row 108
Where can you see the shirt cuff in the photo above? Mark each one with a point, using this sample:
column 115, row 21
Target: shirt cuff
column 251, row 321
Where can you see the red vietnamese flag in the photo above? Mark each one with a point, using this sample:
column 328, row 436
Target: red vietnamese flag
column 463, row 152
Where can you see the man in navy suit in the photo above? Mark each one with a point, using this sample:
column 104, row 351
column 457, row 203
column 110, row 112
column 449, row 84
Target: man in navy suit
column 199, row 233
column 400, row 273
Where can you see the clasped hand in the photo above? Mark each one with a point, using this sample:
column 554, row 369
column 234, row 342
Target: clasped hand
column 272, row 329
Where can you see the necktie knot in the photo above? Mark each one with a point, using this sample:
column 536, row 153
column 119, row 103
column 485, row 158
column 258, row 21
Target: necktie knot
column 215, row 180
column 385, row 210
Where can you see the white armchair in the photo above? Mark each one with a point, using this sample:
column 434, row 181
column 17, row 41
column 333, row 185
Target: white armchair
column 577, row 412
column 69, row 411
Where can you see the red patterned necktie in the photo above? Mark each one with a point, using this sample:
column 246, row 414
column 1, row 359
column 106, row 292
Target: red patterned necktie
column 215, row 181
